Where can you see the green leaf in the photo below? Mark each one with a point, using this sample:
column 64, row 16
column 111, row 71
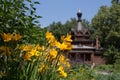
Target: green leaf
column 36, row 2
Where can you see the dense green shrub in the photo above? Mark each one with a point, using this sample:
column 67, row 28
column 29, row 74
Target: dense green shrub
column 107, row 68
column 114, row 76
column 81, row 72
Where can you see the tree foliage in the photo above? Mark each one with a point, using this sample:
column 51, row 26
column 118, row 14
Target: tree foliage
column 106, row 25
column 59, row 29
column 19, row 16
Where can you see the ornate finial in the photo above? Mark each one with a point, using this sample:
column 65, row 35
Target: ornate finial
column 79, row 11
column 79, row 14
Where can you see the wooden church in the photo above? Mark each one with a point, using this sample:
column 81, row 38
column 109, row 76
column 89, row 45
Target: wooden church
column 85, row 50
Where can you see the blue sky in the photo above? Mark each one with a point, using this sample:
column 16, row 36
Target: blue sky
column 63, row 10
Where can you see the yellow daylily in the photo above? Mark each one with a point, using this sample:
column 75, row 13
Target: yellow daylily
column 60, row 68
column 61, row 71
column 53, row 53
column 69, row 46
column 64, row 74
column 51, row 39
column 17, row 37
column 62, row 46
column 67, row 38
column 27, row 48
column 34, row 52
column 7, row 37
column 48, row 35
column 27, row 56
column 61, row 58
column 37, row 47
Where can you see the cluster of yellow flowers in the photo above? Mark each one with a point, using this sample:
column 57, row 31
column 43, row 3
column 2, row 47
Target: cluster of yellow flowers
column 66, row 41
column 6, row 50
column 48, row 56
column 30, row 51
column 8, row 37
column 52, row 54
column 62, row 46
column 62, row 72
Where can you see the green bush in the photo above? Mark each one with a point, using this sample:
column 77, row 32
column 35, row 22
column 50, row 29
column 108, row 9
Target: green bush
column 81, row 72
column 106, row 68
column 114, row 76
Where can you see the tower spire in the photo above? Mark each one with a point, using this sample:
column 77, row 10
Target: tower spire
column 79, row 15
column 80, row 27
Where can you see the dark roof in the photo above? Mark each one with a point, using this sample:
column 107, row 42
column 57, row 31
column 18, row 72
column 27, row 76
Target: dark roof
column 75, row 51
column 86, row 49
column 81, row 28
column 83, row 41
